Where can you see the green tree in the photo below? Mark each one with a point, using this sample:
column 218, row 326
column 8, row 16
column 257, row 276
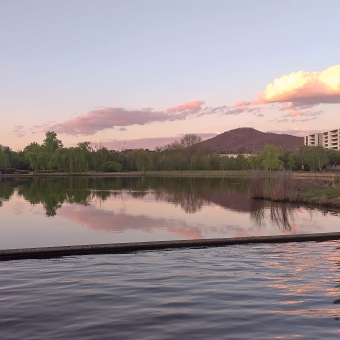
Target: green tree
column 87, row 150
column 333, row 157
column 316, row 158
column 4, row 160
column 291, row 161
column 142, row 161
column 37, row 157
column 194, row 163
column 111, row 166
column 254, row 162
column 301, row 156
column 271, row 159
column 206, row 163
column 51, row 143
column 241, row 162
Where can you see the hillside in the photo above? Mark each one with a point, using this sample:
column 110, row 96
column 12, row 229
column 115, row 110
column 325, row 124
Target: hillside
column 252, row 140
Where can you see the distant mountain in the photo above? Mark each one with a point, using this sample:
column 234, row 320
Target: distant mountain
column 249, row 139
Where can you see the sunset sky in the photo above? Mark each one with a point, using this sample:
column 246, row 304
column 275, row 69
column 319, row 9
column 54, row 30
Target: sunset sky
column 141, row 73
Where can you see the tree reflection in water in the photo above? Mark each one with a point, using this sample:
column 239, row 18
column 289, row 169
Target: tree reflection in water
column 6, row 191
column 279, row 214
column 188, row 193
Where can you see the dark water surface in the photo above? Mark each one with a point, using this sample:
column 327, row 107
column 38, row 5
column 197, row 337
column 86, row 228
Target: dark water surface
column 79, row 210
column 283, row 291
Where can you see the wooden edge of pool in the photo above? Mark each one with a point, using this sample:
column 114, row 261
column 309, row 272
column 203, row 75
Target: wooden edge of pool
column 120, row 248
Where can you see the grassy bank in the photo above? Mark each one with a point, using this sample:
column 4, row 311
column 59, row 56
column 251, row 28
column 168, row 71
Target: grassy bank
column 324, row 197
column 287, row 187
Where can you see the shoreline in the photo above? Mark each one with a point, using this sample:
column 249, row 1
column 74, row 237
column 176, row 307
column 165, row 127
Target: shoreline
column 186, row 173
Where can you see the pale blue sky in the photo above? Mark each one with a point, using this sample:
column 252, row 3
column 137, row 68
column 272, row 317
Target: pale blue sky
column 62, row 59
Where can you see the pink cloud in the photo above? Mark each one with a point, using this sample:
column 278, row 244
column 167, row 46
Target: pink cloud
column 19, row 131
column 118, row 222
column 296, row 92
column 106, row 118
column 191, row 107
column 303, row 120
column 288, row 106
column 243, row 103
column 294, row 113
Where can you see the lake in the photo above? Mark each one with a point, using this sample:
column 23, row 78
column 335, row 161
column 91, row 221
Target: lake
column 259, row 291
column 268, row 291
column 72, row 211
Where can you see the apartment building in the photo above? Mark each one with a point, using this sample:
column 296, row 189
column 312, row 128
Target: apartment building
column 328, row 139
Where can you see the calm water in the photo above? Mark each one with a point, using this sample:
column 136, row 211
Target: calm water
column 240, row 292
column 69, row 211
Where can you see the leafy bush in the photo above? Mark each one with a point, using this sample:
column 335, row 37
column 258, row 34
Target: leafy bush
column 111, row 167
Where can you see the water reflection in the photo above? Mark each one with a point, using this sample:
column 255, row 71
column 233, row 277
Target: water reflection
column 281, row 215
column 188, row 193
column 247, row 292
column 149, row 209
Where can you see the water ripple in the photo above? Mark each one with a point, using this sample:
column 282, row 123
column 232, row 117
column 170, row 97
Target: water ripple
column 241, row 292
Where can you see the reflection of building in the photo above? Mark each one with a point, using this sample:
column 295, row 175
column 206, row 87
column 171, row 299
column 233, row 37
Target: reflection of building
column 328, row 139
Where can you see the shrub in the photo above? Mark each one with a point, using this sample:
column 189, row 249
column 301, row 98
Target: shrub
column 283, row 187
column 111, row 167
column 257, row 187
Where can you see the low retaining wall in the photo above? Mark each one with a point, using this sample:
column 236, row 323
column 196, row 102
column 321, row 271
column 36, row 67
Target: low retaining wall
column 119, row 248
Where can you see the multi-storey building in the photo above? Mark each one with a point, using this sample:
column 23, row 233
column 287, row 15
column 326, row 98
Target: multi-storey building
column 328, row 139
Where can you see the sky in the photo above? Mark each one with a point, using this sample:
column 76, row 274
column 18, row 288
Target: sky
column 142, row 73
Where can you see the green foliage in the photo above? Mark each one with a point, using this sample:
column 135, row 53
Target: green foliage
column 51, row 143
column 194, row 163
column 254, row 162
column 301, row 156
column 186, row 154
column 316, row 158
column 73, row 160
column 206, row 162
column 142, row 161
column 4, row 160
column 271, row 159
column 329, row 193
column 291, row 161
column 111, row 167
column 333, row 157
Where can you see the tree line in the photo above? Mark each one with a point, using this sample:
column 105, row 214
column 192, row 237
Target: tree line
column 186, row 154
